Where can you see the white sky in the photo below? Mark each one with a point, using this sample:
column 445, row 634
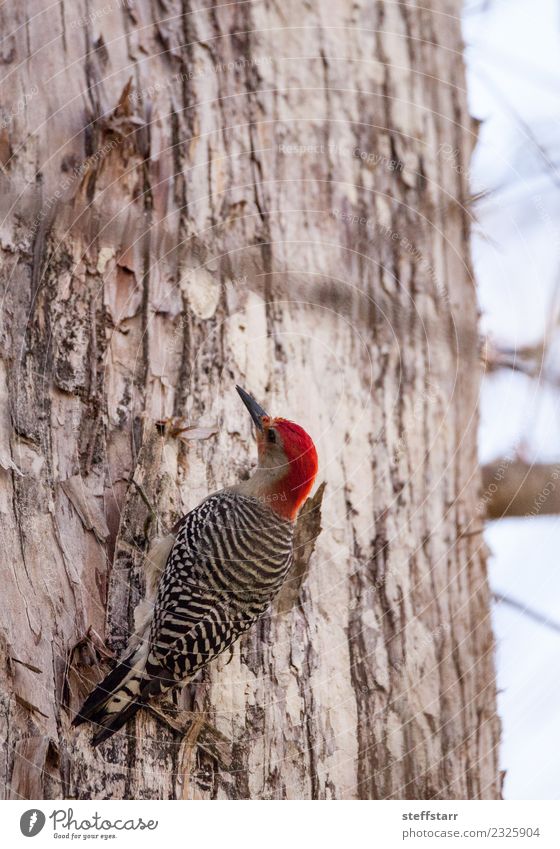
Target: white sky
column 513, row 58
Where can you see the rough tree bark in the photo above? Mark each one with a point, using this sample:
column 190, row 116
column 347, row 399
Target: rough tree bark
column 273, row 194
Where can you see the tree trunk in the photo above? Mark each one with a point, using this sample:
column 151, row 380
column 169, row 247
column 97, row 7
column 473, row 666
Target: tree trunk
column 275, row 195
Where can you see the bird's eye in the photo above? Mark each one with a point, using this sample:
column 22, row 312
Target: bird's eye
column 271, row 435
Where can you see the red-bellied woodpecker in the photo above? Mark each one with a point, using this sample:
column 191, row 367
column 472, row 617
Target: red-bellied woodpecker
column 223, row 566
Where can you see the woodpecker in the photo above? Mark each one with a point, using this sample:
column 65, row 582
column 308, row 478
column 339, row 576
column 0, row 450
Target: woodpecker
column 223, row 566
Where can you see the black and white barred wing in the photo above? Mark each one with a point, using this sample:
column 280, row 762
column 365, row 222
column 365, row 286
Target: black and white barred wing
column 117, row 698
column 229, row 559
column 215, row 585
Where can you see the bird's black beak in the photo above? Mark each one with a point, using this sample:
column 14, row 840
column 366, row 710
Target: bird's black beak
column 255, row 410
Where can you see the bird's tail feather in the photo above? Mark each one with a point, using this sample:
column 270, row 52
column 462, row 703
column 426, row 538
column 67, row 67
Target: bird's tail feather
column 117, row 698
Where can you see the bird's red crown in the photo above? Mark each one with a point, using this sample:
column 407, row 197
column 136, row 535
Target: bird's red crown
column 287, row 460
column 301, row 468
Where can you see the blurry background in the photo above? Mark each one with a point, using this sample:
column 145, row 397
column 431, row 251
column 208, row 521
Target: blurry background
column 512, row 51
